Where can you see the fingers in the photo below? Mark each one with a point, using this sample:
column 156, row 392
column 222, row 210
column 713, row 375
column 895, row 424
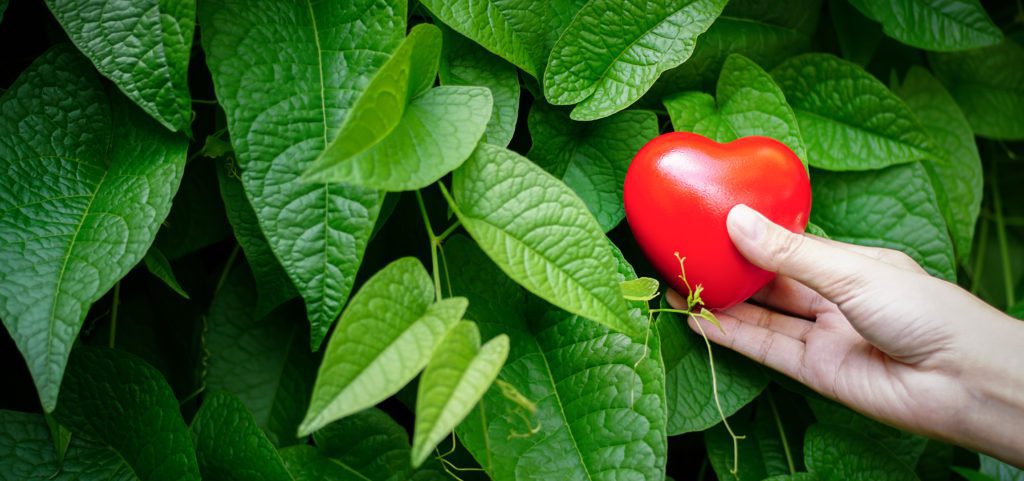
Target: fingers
column 773, row 349
column 838, row 274
column 788, row 325
column 787, row 295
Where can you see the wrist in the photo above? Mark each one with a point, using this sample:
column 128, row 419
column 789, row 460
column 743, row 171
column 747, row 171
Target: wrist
column 993, row 378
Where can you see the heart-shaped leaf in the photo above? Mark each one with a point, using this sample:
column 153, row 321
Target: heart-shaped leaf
column 604, row 62
column 540, row 234
column 143, row 46
column 229, row 444
column 384, row 338
column 86, row 180
column 284, row 103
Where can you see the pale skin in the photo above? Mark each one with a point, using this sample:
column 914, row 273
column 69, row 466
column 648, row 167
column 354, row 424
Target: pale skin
column 868, row 327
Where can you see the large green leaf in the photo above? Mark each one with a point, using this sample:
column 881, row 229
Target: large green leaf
column 590, row 157
column 541, row 234
column 904, row 446
column 264, row 360
column 603, row 63
column 688, row 391
column 27, row 452
column 894, row 207
column 272, row 281
column 143, row 46
column 229, row 444
column 756, row 38
column 86, row 180
column 598, row 394
column 749, row 103
column 988, row 83
column 834, row 453
column 463, row 62
column 158, row 265
column 384, row 338
column 399, row 135
column 955, row 167
column 933, row 24
column 520, row 31
column 999, row 470
column 849, row 120
column 283, row 104
column 121, row 402
column 368, row 445
column 457, row 376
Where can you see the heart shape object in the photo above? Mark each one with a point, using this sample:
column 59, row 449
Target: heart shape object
column 678, row 192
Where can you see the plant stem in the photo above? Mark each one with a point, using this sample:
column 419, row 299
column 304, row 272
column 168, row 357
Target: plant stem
column 782, row 431
column 434, row 244
column 447, row 232
column 204, row 101
column 1004, row 251
column 227, row 268
column 676, row 311
column 718, row 403
column 113, row 314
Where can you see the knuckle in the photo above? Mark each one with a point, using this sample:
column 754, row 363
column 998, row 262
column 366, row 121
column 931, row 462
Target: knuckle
column 765, row 348
column 784, row 246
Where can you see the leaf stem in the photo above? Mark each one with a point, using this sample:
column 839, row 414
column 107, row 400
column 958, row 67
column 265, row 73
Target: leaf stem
column 204, row 101
column 1004, row 251
column 447, row 232
column 113, row 314
column 227, row 269
column 782, row 431
column 675, row 311
column 434, row 244
column 718, row 404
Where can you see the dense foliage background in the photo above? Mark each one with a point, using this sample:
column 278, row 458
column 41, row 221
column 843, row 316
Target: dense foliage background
column 193, row 192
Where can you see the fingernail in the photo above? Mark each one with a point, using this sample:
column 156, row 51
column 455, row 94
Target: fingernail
column 747, row 222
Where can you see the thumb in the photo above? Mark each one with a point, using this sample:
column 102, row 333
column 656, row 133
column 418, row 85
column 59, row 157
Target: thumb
column 837, row 274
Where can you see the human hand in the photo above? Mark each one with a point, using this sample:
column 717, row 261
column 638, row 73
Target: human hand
column 871, row 329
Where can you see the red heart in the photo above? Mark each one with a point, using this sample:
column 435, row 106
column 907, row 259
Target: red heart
column 678, row 192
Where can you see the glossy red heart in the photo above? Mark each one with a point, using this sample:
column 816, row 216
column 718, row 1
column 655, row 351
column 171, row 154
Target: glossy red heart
column 679, row 190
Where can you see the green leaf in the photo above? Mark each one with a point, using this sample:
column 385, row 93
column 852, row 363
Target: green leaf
column 799, row 15
column 86, row 180
column 368, row 445
column 988, row 83
column 143, row 46
column 457, row 376
column 380, row 107
column 283, row 104
column 27, row 452
column 463, row 62
column 598, row 394
column 904, row 446
column 120, row 401
column 384, row 338
column 894, row 207
column 272, row 281
column 955, row 167
column 540, row 234
column 940, row 25
column 1000, row 470
column 3, row 7
column 229, row 444
column 749, row 103
column 858, row 35
column 793, row 477
column 641, row 289
column 834, row 453
column 815, row 229
column 691, row 403
column 438, row 132
column 605, row 62
column 158, row 265
column 760, row 451
column 520, row 31
column 934, row 462
column 264, row 360
column 590, row 157
column 849, row 120
column 765, row 43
